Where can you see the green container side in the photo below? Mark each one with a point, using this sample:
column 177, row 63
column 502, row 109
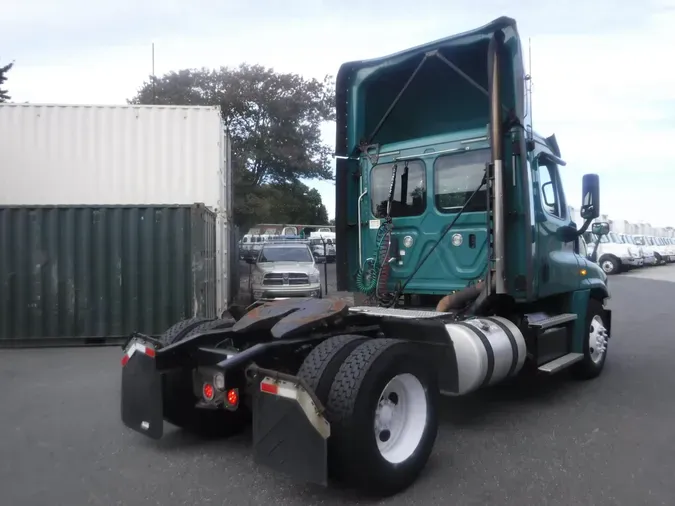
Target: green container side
column 91, row 275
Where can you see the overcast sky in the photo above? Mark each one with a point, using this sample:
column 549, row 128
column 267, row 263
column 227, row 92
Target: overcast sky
column 603, row 75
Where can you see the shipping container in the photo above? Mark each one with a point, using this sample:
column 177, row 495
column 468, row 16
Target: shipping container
column 86, row 274
column 133, row 155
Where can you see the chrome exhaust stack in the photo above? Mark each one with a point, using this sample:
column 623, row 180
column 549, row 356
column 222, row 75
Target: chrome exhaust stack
column 495, row 51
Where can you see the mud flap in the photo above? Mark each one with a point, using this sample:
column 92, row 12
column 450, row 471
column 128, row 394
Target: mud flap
column 142, row 393
column 289, row 433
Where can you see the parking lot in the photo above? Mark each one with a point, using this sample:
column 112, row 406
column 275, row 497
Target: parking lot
column 555, row 441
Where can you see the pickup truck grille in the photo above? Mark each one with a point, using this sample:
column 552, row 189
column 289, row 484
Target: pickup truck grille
column 285, row 279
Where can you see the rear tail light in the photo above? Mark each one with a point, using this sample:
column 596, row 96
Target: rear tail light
column 208, row 392
column 233, row 397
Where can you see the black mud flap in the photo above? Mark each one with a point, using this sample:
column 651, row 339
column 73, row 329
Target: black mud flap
column 289, row 433
column 142, row 394
column 608, row 321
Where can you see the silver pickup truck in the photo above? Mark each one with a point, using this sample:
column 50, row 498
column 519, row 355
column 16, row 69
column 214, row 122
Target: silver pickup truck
column 285, row 269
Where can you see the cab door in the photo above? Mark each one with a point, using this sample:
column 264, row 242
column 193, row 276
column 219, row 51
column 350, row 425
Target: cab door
column 557, row 263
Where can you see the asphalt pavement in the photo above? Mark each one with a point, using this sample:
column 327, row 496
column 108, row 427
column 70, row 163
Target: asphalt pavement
column 556, row 441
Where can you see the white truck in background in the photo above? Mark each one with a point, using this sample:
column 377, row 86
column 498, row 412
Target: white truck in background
column 613, row 255
column 646, row 251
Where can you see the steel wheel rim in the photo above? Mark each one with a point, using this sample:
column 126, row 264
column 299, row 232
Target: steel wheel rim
column 607, row 266
column 597, row 339
column 400, row 418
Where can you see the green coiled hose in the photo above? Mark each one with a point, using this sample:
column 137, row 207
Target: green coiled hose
column 369, row 273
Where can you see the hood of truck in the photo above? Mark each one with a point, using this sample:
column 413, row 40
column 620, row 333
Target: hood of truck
column 286, row 267
column 436, row 104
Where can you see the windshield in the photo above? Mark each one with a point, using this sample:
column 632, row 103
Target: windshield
column 613, row 237
column 650, row 241
column 627, row 239
column 285, row 254
column 604, row 239
column 639, row 240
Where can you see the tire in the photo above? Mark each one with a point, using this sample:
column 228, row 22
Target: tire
column 179, row 398
column 321, row 365
column 358, row 388
column 659, row 259
column 220, row 323
column 593, row 363
column 178, row 330
column 610, row 265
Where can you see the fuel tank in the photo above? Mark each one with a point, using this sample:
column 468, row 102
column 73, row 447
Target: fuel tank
column 488, row 350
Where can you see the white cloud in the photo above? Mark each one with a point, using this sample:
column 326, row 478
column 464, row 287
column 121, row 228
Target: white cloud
column 601, row 78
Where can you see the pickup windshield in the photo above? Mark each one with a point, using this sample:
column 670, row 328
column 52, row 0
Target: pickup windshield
column 285, row 254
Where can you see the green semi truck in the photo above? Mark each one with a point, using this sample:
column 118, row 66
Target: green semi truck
column 455, row 237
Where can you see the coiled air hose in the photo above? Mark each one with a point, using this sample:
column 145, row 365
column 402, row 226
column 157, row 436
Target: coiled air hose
column 368, row 276
column 374, row 272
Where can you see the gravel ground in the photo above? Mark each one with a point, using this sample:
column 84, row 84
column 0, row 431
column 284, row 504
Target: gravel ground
column 556, row 441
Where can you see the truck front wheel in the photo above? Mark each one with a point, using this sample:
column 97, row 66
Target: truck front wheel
column 383, row 406
column 610, row 264
column 596, row 339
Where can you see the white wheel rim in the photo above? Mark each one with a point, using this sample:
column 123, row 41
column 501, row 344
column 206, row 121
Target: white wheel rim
column 400, row 418
column 607, row 266
column 597, row 339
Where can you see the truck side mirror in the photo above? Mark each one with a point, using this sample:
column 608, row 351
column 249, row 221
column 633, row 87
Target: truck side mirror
column 590, row 197
column 600, row 228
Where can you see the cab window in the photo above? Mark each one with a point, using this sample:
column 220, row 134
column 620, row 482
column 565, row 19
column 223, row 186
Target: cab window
column 410, row 194
column 550, row 190
column 456, row 177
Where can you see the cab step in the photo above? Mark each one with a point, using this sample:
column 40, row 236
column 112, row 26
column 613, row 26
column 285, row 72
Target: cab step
column 561, row 363
column 550, row 321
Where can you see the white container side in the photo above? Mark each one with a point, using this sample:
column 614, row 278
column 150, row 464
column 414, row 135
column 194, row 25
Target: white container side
column 54, row 154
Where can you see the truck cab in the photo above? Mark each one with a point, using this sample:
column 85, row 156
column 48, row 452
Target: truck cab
column 416, row 159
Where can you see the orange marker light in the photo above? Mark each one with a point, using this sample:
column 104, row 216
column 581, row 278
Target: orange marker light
column 583, row 272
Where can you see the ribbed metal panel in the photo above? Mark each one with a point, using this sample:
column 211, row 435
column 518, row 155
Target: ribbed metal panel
column 120, row 155
column 69, row 274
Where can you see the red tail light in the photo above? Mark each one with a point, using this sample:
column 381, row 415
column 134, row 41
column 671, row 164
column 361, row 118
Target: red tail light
column 208, row 392
column 233, row 397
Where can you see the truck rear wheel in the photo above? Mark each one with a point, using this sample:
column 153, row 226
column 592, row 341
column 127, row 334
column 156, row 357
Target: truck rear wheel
column 383, row 407
column 179, row 399
column 321, row 365
column 595, row 343
column 178, row 330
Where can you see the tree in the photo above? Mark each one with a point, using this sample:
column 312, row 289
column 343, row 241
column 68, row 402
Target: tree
column 273, row 120
column 4, row 97
column 292, row 202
